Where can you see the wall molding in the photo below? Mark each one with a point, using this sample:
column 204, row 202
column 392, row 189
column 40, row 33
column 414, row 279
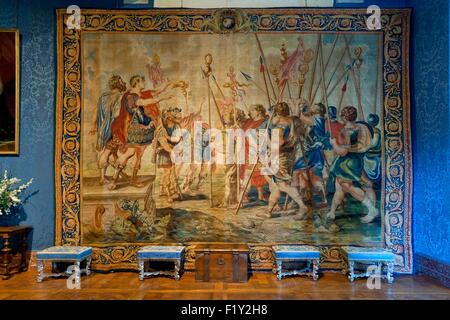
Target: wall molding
column 433, row 268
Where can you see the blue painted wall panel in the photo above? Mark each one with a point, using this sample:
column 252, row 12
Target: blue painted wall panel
column 430, row 127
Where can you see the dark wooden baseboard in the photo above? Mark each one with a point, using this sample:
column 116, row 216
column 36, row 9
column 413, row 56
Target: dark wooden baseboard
column 433, row 268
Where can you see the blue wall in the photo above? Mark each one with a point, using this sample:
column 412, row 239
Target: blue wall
column 36, row 22
column 37, row 103
column 431, row 134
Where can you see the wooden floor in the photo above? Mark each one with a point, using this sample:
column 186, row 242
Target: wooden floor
column 126, row 285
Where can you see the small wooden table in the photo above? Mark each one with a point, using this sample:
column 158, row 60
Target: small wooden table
column 6, row 233
column 221, row 262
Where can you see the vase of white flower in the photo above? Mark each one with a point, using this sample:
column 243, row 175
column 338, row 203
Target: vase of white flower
column 10, row 201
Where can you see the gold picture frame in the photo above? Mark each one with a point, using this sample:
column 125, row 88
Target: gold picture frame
column 9, row 91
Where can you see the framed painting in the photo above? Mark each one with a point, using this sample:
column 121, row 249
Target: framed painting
column 263, row 126
column 9, row 91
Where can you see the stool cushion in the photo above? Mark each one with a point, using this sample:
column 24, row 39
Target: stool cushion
column 296, row 252
column 64, row 253
column 160, row 252
column 368, row 254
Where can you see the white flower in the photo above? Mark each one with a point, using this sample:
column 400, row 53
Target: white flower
column 9, row 196
column 14, row 199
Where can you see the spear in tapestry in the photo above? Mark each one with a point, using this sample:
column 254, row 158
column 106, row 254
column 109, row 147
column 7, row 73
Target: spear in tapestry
column 324, row 90
column 207, row 70
column 344, row 86
column 314, row 70
column 263, row 62
column 343, row 91
column 210, row 91
column 324, row 94
column 262, row 70
column 236, row 154
column 358, row 93
column 336, row 69
column 358, row 64
column 218, row 87
column 326, row 64
column 249, row 78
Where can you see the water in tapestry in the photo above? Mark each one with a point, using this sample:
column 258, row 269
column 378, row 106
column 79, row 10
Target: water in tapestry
column 251, row 138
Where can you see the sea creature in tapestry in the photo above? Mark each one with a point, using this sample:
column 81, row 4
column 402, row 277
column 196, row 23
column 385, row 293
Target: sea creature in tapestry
column 260, row 138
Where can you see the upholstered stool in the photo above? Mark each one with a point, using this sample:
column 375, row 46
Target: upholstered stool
column 161, row 253
column 288, row 253
column 64, row 254
column 362, row 258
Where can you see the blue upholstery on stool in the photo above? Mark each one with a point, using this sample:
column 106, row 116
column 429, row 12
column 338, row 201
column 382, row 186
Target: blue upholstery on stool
column 364, row 257
column 369, row 254
column 161, row 253
column 291, row 253
column 296, row 252
column 64, row 253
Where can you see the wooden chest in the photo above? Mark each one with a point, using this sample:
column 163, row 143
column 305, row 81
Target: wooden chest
column 221, row 262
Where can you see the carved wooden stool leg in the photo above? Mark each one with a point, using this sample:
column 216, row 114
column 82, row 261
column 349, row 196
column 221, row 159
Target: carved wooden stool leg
column 88, row 265
column 309, row 265
column 390, row 272
column 279, row 268
column 351, row 273
column 177, row 269
column 141, row 269
column 77, row 274
column 40, row 269
column 315, row 272
column 380, row 268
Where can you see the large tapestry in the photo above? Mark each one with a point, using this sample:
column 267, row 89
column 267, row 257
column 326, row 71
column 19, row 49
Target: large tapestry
column 256, row 126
